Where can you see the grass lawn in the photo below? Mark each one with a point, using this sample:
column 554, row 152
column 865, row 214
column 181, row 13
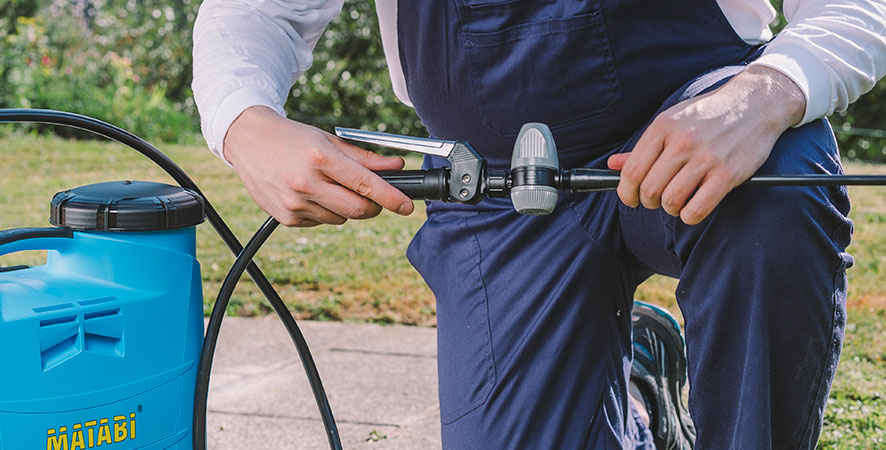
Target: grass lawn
column 358, row 271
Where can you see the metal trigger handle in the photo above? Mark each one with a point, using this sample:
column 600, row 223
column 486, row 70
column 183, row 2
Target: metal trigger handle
column 463, row 182
column 425, row 146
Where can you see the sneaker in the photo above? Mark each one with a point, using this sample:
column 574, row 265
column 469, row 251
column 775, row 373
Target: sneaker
column 659, row 371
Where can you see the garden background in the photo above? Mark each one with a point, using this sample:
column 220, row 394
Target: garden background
column 128, row 62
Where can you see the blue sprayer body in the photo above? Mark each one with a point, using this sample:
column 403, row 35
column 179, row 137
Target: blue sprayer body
column 100, row 345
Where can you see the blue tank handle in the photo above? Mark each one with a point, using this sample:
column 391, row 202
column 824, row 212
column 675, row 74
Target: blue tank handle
column 21, row 239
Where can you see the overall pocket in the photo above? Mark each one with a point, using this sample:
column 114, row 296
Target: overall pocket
column 557, row 71
column 446, row 253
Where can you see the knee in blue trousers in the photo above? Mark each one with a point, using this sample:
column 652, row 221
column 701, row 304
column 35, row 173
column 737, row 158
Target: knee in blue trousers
column 534, row 331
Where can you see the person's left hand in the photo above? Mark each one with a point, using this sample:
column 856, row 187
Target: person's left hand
column 697, row 151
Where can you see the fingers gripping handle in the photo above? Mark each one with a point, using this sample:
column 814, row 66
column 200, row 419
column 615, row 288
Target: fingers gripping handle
column 420, row 184
column 464, row 179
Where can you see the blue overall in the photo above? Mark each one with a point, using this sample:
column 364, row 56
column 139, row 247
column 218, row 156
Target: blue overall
column 533, row 313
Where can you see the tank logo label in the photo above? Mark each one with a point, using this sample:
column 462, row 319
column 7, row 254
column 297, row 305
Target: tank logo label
column 91, row 433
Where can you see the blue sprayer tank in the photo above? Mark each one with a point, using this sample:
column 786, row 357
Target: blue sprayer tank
column 99, row 347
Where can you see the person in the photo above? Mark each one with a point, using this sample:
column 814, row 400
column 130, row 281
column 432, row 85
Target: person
column 687, row 99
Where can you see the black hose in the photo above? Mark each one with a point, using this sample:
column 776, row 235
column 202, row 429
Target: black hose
column 214, row 326
column 207, row 353
column 215, row 319
column 126, row 138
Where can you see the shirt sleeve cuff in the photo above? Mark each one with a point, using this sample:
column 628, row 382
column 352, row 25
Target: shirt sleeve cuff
column 231, row 107
column 808, row 72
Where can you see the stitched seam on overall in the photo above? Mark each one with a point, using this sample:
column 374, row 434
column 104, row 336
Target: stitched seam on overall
column 600, row 414
column 633, row 265
column 576, row 218
column 586, row 436
column 841, row 267
column 611, row 75
column 489, row 4
column 528, row 33
column 624, row 261
column 494, row 381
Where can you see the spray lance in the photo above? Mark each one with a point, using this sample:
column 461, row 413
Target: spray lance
column 533, row 184
column 535, row 178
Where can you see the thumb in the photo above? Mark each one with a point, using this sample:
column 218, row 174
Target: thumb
column 617, row 161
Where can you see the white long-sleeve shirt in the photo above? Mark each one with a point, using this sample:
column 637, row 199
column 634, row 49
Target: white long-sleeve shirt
column 249, row 53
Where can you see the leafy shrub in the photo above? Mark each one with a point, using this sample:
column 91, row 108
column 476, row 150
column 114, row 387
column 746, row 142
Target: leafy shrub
column 349, row 84
column 861, row 130
column 129, row 62
column 10, row 12
column 56, row 61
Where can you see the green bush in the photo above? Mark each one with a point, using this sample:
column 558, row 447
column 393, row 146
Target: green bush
column 129, row 63
column 55, row 60
column 861, row 130
column 349, row 84
column 10, row 13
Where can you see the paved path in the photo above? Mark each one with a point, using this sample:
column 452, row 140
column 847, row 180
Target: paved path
column 381, row 382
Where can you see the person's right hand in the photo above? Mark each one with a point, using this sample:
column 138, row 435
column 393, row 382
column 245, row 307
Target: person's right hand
column 303, row 176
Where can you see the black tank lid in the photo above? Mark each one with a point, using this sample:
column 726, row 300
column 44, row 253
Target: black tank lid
column 126, row 206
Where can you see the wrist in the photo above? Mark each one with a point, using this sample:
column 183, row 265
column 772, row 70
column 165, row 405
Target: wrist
column 781, row 102
column 249, row 122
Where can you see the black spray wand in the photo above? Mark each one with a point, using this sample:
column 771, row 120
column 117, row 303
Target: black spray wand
column 535, row 178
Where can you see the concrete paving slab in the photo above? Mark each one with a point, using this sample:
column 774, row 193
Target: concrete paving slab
column 378, row 389
column 243, row 432
column 381, row 382
column 421, row 432
column 220, row 379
